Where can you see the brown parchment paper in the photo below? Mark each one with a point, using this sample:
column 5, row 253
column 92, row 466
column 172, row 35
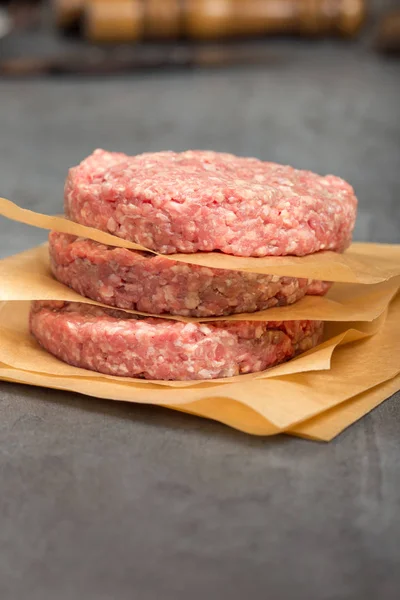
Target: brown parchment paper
column 332, row 422
column 361, row 263
column 258, row 406
column 27, row 276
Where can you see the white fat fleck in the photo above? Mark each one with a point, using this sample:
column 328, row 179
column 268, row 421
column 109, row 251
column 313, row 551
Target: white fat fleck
column 169, row 295
column 192, row 300
column 190, row 328
column 291, row 246
column 230, row 217
column 114, row 279
column 206, row 271
column 204, row 374
column 205, row 329
column 111, row 224
column 108, row 292
column 251, row 235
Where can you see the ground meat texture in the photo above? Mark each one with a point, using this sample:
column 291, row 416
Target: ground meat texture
column 154, row 284
column 116, row 343
column 318, row 288
column 206, row 201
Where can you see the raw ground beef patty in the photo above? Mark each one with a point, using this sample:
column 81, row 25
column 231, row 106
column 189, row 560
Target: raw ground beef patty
column 116, row 343
column 153, row 284
column 206, row 201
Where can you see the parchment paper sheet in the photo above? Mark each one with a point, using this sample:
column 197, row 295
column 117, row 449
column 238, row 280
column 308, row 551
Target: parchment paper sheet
column 362, row 263
column 278, row 402
column 332, row 422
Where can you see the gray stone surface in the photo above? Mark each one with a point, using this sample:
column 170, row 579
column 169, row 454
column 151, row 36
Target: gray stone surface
column 105, row 501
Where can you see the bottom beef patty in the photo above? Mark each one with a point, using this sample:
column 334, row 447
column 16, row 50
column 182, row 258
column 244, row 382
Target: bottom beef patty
column 116, row 343
column 153, row 284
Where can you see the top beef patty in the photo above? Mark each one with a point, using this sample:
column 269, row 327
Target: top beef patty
column 205, row 201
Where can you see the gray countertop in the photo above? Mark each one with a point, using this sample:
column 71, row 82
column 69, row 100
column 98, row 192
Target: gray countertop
column 107, row 501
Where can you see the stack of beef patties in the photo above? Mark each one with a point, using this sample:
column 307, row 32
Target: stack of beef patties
column 190, row 202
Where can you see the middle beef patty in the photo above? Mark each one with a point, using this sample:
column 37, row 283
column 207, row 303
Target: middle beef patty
column 153, row 284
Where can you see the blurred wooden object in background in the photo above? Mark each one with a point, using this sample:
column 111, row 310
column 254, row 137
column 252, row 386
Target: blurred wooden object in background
column 68, row 12
column 135, row 20
column 388, row 37
column 117, row 21
column 256, row 17
column 20, row 14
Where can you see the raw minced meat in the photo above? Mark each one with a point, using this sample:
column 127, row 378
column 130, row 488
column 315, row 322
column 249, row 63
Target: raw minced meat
column 205, row 201
column 154, row 284
column 116, row 343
